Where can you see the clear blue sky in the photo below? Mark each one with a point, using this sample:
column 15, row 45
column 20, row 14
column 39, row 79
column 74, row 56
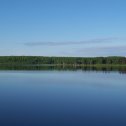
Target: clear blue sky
column 63, row 27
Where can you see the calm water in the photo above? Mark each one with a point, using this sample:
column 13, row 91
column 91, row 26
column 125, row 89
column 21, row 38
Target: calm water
column 62, row 98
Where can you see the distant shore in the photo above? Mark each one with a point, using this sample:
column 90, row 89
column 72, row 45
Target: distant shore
column 67, row 65
column 63, row 61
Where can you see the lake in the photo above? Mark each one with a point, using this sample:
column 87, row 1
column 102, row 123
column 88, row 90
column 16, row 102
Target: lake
column 62, row 98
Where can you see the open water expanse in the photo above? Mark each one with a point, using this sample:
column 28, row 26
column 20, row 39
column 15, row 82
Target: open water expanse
column 62, row 98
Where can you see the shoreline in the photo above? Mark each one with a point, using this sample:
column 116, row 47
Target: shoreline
column 68, row 65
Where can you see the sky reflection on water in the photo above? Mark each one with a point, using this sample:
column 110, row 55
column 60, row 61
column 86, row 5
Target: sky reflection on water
column 62, row 98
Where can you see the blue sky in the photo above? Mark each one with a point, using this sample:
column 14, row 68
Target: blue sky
column 63, row 27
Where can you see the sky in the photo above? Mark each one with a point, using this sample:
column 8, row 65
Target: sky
column 84, row 28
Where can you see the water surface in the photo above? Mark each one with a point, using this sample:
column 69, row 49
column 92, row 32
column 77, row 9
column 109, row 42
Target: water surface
column 62, row 98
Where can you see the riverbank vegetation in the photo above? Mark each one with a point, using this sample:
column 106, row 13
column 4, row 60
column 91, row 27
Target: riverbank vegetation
column 74, row 61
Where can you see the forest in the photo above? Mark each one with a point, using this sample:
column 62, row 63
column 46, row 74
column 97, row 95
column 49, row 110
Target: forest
column 74, row 61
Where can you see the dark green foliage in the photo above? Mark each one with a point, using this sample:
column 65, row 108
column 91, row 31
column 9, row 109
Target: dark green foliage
column 33, row 60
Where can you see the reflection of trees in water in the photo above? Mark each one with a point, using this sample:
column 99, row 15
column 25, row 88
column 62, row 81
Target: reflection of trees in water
column 106, row 69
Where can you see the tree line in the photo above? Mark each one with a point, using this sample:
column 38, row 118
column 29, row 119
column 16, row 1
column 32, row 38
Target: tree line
column 33, row 60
